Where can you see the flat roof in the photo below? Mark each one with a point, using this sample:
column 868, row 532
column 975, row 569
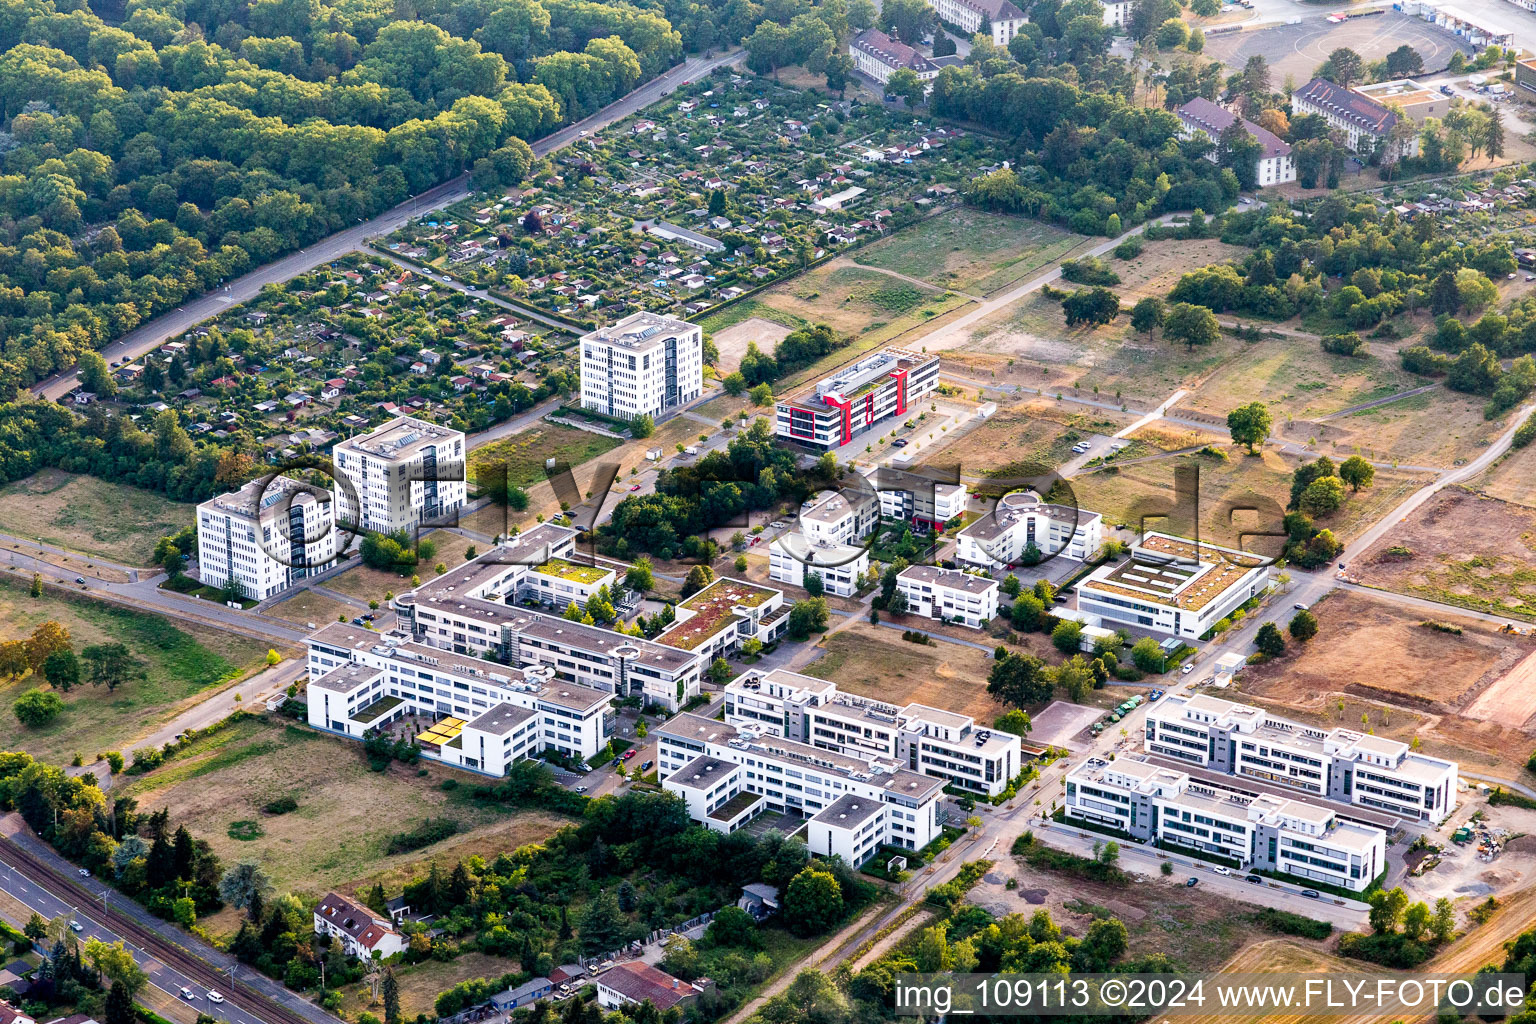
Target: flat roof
column 1017, row 506
column 849, row 811
column 702, row 772
column 501, row 719
column 268, row 495
column 401, row 438
column 954, row 579
column 346, row 678
column 690, row 726
column 640, row 332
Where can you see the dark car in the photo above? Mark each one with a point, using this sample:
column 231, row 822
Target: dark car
column 647, row 766
column 1192, row 881
column 1311, row 894
column 1254, row 880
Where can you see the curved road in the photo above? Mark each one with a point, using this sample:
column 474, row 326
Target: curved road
column 147, row 337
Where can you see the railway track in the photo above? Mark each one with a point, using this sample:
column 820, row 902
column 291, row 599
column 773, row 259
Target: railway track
column 190, row 966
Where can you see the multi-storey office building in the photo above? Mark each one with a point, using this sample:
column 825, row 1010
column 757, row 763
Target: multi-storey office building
column 1303, row 839
column 1020, row 522
column 1342, row 765
column 917, row 737
column 468, row 610
column 402, row 474
column 831, row 526
column 931, row 507
column 717, row 619
column 789, row 777
column 1171, row 585
column 266, row 536
column 949, row 595
column 1365, row 125
column 646, row 364
column 489, row 715
column 857, row 398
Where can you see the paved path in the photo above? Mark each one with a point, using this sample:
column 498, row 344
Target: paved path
column 1378, row 402
column 156, row 332
column 378, row 248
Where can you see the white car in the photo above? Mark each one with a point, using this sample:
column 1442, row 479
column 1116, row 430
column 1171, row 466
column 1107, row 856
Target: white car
column 1186, row 670
column 1222, row 870
column 186, row 994
column 214, row 997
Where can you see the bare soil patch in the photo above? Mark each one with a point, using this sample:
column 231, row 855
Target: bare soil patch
column 732, row 341
column 874, row 661
column 1461, row 548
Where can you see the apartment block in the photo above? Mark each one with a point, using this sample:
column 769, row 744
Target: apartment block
column 266, row 536
column 1299, row 838
column 402, row 474
column 646, row 364
column 856, row 399
column 828, row 542
column 998, row 18
column 879, row 56
column 919, row 738
column 719, row 618
column 1341, row 765
column 949, row 595
column 1366, row 125
column 1273, row 164
column 1019, row 522
column 487, row 715
column 701, row 760
column 358, row 929
column 1171, row 585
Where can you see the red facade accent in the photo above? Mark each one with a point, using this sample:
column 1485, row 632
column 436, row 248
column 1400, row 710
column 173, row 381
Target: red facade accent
column 901, row 391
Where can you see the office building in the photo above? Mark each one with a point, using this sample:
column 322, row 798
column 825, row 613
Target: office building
column 941, row 744
column 924, row 504
column 1305, row 840
column 949, row 595
column 266, row 536
column 1021, row 526
column 644, row 365
column 858, row 398
column 742, row 772
column 402, row 474
column 830, row 541
column 1366, row 125
column 486, row 715
column 1171, row 585
column 1342, row 765
column 718, row 619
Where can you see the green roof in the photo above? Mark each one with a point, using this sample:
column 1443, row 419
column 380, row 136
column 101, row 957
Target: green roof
column 564, row 570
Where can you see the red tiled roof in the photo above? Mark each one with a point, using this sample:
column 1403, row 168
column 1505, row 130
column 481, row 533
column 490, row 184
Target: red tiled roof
column 639, row 982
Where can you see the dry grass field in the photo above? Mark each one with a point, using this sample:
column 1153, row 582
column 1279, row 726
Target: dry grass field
column 366, row 583
column 1513, row 478
column 972, row 251
column 421, row 983
column 1439, row 429
column 339, row 835
column 1464, row 549
column 874, row 661
column 1040, row 432
column 853, row 300
column 306, row 606
column 94, row 517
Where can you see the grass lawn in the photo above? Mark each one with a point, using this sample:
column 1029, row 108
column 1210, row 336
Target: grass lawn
column 346, row 815
column 421, row 983
column 182, row 661
column 746, row 309
column 971, row 250
column 369, row 584
column 82, row 513
column 524, row 453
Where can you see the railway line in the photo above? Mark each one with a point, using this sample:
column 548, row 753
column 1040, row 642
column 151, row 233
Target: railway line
column 190, row 966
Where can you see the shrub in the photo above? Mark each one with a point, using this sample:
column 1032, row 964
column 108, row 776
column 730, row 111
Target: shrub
column 1287, row 923
column 282, row 805
column 432, row 830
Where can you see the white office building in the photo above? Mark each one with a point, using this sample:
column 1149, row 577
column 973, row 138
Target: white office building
column 741, row 772
column 919, row 738
column 1019, row 522
column 266, row 536
column 830, row 542
column 1170, row 585
column 487, row 715
column 646, row 364
column 1342, row 765
column 1273, row 163
column 949, row 595
column 879, row 56
column 1303, row 839
column 932, row 506
column 858, row 398
column 718, row 619
column 405, row 473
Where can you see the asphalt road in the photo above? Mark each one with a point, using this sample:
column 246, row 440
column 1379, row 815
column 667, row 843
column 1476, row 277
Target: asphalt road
column 156, row 332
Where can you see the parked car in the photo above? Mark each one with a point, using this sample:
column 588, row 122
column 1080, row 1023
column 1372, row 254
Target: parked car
column 1222, row 869
column 1311, row 894
column 1186, row 670
column 646, row 766
column 1191, row 882
column 1254, row 880
column 1300, row 607
column 80, row 580
column 581, row 789
column 627, row 754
